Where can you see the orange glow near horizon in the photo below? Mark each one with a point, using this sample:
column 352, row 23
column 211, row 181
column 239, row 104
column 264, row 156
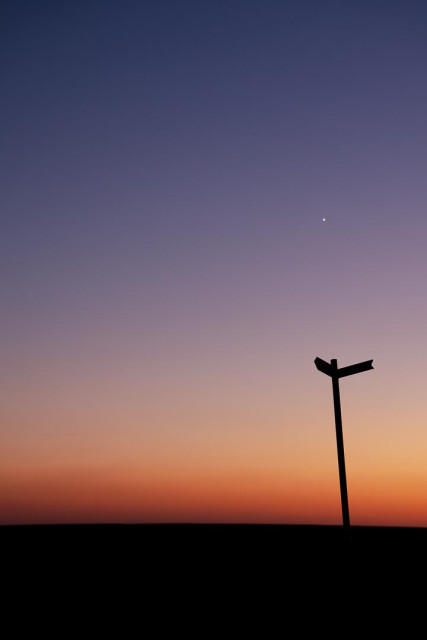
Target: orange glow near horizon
column 194, row 471
column 124, row 495
column 83, row 498
column 191, row 470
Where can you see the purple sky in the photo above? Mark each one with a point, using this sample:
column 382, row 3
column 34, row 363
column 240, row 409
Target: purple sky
column 166, row 166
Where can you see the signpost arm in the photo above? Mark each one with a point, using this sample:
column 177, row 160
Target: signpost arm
column 340, row 447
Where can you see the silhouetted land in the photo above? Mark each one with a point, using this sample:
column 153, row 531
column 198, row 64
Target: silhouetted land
column 188, row 575
column 229, row 549
column 302, row 572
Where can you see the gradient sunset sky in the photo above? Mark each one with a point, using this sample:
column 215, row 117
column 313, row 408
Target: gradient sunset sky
column 167, row 279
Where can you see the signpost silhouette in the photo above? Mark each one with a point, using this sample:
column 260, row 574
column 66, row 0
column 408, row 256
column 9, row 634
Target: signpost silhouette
column 335, row 373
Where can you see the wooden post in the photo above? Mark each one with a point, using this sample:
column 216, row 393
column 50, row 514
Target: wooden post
column 333, row 372
column 340, row 448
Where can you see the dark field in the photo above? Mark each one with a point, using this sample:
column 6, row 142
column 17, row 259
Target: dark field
column 304, row 573
column 214, row 547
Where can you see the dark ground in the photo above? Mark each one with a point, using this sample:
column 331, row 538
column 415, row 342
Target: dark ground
column 212, row 547
column 291, row 571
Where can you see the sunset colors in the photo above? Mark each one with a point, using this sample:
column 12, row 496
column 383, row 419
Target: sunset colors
column 198, row 199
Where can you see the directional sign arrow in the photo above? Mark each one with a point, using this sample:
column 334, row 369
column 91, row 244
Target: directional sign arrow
column 323, row 366
column 355, row 368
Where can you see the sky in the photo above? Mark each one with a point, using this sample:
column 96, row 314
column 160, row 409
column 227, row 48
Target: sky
column 166, row 276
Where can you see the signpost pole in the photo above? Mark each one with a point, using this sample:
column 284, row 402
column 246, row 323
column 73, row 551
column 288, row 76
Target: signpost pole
column 333, row 372
column 340, row 448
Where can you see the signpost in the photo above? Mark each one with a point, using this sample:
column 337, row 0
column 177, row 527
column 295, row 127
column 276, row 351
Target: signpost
column 335, row 373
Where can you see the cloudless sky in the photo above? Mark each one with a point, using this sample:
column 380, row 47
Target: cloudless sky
column 166, row 276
